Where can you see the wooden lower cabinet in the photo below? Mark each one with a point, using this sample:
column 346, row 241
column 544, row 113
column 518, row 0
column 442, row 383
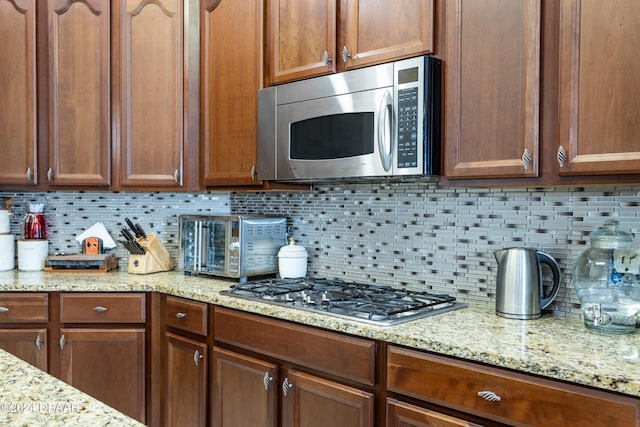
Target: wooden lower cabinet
column 103, row 347
column 108, row 364
column 28, row 344
column 186, row 381
column 24, row 317
column 186, row 363
column 311, row 401
column 503, row 396
column 401, row 414
column 290, row 375
column 245, row 390
column 249, row 391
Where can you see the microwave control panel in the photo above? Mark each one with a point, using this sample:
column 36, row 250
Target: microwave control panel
column 408, row 127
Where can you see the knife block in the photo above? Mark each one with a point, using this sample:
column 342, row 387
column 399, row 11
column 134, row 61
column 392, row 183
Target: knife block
column 155, row 259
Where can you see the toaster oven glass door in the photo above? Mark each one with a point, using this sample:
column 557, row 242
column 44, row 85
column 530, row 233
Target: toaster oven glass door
column 190, row 234
column 214, row 247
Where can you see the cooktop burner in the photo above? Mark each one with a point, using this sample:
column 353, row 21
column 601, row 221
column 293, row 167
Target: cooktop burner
column 378, row 305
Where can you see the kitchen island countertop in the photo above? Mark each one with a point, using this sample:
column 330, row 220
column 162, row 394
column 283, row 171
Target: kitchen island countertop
column 552, row 347
column 31, row 397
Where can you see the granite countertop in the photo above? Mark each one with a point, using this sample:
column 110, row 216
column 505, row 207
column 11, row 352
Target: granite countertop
column 553, row 347
column 31, row 397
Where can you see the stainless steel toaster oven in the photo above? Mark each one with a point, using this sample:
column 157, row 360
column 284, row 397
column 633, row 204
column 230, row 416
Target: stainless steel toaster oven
column 235, row 246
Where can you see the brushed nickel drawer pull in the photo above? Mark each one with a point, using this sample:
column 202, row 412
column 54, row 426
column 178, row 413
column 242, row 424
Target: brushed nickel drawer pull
column 489, row 396
column 4, row 309
column 181, row 315
column 326, row 59
column 196, row 357
column 286, row 387
column 346, row 55
column 562, row 156
column 267, row 380
column 39, row 342
column 526, row 159
column 99, row 309
column 63, row 342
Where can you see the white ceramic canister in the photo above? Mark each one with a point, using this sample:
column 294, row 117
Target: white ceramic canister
column 32, row 254
column 7, row 252
column 4, row 221
column 292, row 261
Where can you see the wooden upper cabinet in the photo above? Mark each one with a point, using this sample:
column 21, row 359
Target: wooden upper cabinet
column 599, row 99
column 18, row 90
column 79, row 93
column 302, row 39
column 491, row 88
column 313, row 38
column 232, row 62
column 150, row 93
column 382, row 30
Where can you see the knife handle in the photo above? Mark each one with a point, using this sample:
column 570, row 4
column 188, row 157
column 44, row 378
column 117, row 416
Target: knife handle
column 132, row 227
column 140, row 231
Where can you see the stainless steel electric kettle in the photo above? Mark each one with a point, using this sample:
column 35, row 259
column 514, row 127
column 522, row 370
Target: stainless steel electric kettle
column 519, row 289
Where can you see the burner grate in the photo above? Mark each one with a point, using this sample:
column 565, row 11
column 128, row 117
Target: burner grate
column 380, row 305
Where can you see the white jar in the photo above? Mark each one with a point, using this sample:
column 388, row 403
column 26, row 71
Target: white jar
column 292, row 261
column 4, row 221
column 32, row 254
column 7, row 252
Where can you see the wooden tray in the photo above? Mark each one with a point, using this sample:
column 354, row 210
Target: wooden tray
column 82, row 263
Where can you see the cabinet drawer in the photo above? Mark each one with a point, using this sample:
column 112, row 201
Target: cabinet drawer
column 102, row 308
column 21, row 307
column 336, row 354
column 187, row 315
column 523, row 399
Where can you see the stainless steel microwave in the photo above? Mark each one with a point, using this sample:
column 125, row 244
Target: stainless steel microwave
column 233, row 246
column 379, row 121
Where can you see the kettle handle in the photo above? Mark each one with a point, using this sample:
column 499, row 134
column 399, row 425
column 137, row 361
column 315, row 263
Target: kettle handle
column 555, row 269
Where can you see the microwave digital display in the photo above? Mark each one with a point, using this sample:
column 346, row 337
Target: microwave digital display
column 408, row 75
column 335, row 136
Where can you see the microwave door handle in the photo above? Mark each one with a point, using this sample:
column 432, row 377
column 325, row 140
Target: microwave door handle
column 386, row 130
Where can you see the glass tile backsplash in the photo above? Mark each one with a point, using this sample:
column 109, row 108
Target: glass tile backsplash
column 414, row 235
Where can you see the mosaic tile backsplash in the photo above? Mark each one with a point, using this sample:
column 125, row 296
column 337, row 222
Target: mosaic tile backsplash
column 416, row 235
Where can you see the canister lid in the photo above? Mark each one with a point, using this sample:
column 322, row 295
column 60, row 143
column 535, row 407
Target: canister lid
column 609, row 236
column 292, row 250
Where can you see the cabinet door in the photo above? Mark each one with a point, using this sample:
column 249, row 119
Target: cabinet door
column 18, row 90
column 599, row 100
column 151, row 92
column 79, row 93
column 186, row 374
column 107, row 364
column 232, row 74
column 508, row 397
column 246, row 391
column 492, row 55
column 311, row 401
column 400, row 414
column 29, row 345
column 408, row 31
column 302, row 39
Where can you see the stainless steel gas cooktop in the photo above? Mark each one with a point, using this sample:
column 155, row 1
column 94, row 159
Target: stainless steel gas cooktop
column 377, row 305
